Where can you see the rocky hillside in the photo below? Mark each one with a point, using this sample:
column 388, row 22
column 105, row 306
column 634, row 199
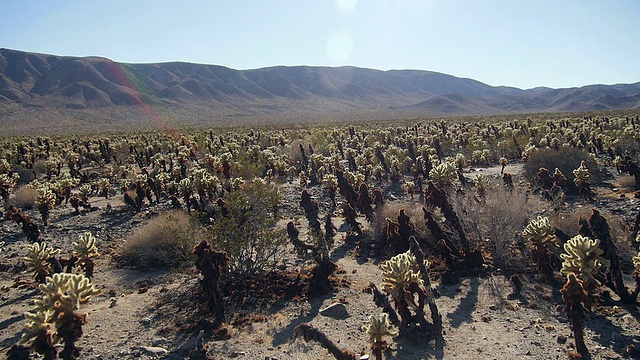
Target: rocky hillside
column 49, row 82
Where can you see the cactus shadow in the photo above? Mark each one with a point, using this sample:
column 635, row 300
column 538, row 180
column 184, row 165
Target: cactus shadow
column 407, row 349
column 284, row 335
column 462, row 314
column 609, row 335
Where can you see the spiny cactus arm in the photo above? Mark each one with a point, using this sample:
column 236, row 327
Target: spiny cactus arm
column 37, row 324
column 80, row 289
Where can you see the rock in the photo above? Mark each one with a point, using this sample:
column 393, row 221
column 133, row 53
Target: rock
column 146, row 321
column 561, row 339
column 335, row 310
column 364, row 357
column 153, row 350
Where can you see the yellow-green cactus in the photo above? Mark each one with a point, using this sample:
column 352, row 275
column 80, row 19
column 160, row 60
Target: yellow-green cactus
column 37, row 260
column 53, row 315
column 85, row 250
column 379, row 327
column 540, row 231
column 444, row 174
column 45, row 201
column 583, row 257
column 400, row 272
column 582, row 175
column 482, row 185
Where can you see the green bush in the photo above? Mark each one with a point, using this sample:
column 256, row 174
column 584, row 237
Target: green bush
column 165, row 242
column 247, row 231
column 566, row 159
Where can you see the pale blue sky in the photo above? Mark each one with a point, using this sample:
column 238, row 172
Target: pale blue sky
column 561, row 43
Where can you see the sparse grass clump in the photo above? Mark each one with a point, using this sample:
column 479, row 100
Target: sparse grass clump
column 165, row 242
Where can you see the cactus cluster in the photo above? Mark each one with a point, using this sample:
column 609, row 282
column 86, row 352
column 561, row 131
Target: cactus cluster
column 583, row 257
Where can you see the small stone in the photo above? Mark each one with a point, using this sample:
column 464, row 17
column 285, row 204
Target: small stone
column 561, row 339
column 364, row 357
column 154, row 350
column 146, row 321
column 335, row 310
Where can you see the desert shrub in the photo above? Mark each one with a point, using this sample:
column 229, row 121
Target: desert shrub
column 566, row 159
column 24, row 197
column 391, row 210
column 246, row 230
column 40, row 166
column 165, row 242
column 26, row 175
column 497, row 222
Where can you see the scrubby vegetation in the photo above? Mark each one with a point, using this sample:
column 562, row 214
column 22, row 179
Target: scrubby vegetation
column 258, row 209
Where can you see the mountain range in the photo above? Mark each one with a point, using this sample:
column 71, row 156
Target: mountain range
column 61, row 84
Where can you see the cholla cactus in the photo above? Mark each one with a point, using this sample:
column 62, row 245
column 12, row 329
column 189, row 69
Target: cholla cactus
column 635, row 259
column 582, row 175
column 105, row 186
column 379, row 327
column 583, row 257
column 45, row 202
column 460, row 160
column 540, row 231
column 400, row 272
column 85, row 250
column 444, row 174
column 410, row 187
column 542, row 235
column 37, row 259
column 482, row 185
column 7, row 183
column 503, row 163
column 85, row 190
column 53, row 318
column 583, row 182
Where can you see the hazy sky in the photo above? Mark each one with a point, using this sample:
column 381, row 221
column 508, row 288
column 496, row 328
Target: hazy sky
column 556, row 43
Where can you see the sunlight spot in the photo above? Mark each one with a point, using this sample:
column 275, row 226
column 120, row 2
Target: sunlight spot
column 339, row 45
column 346, row 7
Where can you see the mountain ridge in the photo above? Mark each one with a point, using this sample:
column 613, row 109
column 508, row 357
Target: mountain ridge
column 47, row 82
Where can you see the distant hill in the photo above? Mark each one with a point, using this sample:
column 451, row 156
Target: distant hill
column 31, row 83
